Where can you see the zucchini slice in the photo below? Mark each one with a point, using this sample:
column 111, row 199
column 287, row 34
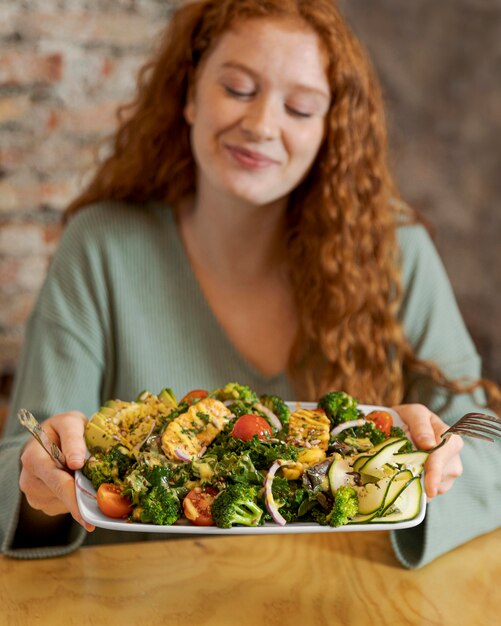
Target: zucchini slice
column 412, row 460
column 377, row 497
column 339, row 474
column 362, row 458
column 373, row 466
column 406, row 506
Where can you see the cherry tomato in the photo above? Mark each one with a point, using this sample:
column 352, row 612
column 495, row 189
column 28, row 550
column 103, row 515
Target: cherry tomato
column 382, row 420
column 194, row 396
column 111, row 502
column 197, row 505
column 249, row 425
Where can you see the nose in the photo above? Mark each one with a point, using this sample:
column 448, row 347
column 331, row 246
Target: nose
column 261, row 120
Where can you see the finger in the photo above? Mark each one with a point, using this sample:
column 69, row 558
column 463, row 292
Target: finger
column 443, row 487
column 62, row 486
column 41, row 498
column 68, row 429
column 418, row 419
column 443, row 467
column 46, row 487
column 48, row 506
column 33, row 460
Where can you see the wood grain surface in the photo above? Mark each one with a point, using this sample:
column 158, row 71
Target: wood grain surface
column 348, row 579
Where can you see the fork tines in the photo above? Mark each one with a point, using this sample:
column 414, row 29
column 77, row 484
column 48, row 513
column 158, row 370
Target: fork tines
column 472, row 424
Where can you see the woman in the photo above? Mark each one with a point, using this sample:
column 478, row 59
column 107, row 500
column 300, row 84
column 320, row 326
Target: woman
column 245, row 227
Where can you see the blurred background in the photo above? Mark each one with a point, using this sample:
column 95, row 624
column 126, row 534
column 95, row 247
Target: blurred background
column 65, row 65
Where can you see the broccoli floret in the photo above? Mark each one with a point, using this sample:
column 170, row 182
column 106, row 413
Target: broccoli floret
column 278, row 406
column 367, row 431
column 234, row 391
column 345, row 506
column 107, row 467
column 143, row 477
column 160, row 506
column 236, row 505
column 339, row 407
column 239, row 408
column 396, row 431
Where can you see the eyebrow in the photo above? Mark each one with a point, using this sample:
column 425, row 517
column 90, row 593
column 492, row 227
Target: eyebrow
column 301, row 86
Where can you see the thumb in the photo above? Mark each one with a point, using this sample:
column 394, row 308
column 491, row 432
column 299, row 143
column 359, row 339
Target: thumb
column 70, row 428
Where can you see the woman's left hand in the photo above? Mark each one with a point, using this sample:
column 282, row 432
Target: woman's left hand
column 443, row 466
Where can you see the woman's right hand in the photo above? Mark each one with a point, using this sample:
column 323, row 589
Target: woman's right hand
column 46, row 487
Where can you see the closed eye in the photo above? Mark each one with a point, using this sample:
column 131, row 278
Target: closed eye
column 238, row 94
column 297, row 113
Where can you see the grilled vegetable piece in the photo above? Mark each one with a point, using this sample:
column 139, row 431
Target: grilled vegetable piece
column 128, row 423
column 186, row 436
column 309, row 428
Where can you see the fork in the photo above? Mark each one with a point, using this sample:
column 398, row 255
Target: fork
column 29, row 421
column 476, row 425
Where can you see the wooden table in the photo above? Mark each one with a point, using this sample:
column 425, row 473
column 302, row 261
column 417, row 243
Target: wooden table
column 309, row 580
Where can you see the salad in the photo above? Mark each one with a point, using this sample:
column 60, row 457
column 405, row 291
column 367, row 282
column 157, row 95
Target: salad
column 229, row 457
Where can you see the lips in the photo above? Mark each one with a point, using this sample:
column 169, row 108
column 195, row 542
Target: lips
column 250, row 158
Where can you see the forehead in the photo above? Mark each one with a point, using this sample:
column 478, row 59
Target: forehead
column 286, row 49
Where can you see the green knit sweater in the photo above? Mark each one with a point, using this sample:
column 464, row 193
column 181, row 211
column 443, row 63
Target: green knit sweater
column 121, row 311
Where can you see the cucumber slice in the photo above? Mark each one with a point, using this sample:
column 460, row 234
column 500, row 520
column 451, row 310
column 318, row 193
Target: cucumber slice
column 339, row 474
column 412, row 460
column 408, row 504
column 377, row 497
column 362, row 519
column 374, row 465
column 362, row 458
column 359, row 461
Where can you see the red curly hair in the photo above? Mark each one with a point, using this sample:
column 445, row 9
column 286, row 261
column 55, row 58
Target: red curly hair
column 341, row 220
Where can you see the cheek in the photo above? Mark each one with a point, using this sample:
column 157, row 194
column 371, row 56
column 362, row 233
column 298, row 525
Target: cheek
column 214, row 122
column 304, row 143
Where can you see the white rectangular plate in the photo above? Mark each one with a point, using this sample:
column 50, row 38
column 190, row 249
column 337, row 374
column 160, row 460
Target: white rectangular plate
column 91, row 513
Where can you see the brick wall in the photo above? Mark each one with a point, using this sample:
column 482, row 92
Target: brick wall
column 66, row 64
column 64, row 67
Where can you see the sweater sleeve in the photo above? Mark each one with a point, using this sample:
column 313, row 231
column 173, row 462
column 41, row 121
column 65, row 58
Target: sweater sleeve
column 60, row 369
column 434, row 326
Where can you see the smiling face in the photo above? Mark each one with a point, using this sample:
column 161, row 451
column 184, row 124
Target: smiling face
column 257, row 111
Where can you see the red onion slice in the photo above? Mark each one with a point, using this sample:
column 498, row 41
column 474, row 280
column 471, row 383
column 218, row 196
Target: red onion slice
column 181, row 454
column 152, row 428
column 351, row 424
column 268, row 493
column 84, row 490
column 275, row 422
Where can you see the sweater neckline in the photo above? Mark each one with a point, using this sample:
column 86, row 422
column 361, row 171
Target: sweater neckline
column 194, row 284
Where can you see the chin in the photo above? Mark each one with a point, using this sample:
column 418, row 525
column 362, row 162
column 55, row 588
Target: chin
column 252, row 194
column 257, row 199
